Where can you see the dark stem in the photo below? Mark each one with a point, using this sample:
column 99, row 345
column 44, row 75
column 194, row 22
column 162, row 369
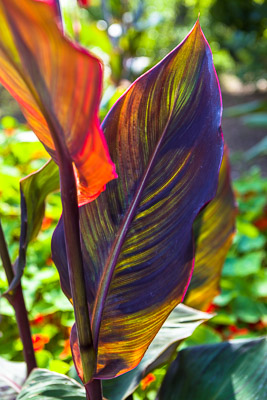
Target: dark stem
column 5, row 256
column 76, row 275
column 24, row 328
column 94, row 390
column 129, row 397
column 16, row 299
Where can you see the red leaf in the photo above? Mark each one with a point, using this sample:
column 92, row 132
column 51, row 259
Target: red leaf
column 58, row 85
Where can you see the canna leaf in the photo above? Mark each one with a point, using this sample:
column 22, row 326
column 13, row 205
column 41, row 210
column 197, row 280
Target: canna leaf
column 235, row 370
column 12, row 376
column 43, row 384
column 58, row 86
column 33, row 191
column 165, row 137
column 214, row 229
column 179, row 325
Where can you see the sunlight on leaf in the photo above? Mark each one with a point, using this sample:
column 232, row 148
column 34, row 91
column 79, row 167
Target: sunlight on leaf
column 58, row 85
column 180, row 324
column 165, row 138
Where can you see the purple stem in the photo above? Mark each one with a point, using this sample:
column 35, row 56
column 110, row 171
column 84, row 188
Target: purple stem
column 76, row 275
column 16, row 299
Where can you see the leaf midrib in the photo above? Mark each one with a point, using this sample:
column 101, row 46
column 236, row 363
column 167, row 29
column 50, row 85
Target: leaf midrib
column 110, row 265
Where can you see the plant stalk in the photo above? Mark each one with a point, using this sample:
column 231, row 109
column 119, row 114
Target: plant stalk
column 94, row 390
column 76, row 275
column 17, row 301
column 72, row 240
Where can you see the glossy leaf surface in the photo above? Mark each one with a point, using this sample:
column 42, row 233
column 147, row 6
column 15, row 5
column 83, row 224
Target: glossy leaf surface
column 180, row 324
column 33, row 191
column 58, row 86
column 214, row 229
column 12, row 376
column 43, row 384
column 235, row 370
column 165, row 138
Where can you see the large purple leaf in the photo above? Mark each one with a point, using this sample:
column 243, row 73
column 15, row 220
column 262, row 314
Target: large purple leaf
column 164, row 135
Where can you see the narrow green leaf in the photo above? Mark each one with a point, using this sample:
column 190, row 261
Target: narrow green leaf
column 43, row 384
column 235, row 370
column 245, row 108
column 259, row 149
column 257, row 120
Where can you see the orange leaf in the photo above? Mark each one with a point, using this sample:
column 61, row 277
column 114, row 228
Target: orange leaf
column 58, row 85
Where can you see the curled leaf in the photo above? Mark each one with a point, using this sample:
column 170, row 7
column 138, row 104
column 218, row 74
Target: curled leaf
column 33, row 191
column 58, row 86
column 165, row 137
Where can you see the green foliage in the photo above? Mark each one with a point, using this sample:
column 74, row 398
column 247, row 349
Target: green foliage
column 49, row 311
column 244, row 276
column 142, row 33
column 232, row 370
column 43, row 384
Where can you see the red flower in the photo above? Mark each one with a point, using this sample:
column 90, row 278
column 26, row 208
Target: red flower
column 261, row 223
column 39, row 341
column 211, row 308
column 84, row 3
column 66, row 351
column 38, row 320
column 46, row 223
column 237, row 331
column 147, row 381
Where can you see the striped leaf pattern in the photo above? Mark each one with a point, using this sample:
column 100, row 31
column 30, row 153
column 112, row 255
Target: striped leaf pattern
column 214, row 229
column 165, row 138
column 58, row 86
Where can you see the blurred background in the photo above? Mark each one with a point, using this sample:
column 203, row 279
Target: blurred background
column 130, row 36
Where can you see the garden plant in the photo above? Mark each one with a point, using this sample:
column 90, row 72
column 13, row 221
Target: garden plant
column 148, row 216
